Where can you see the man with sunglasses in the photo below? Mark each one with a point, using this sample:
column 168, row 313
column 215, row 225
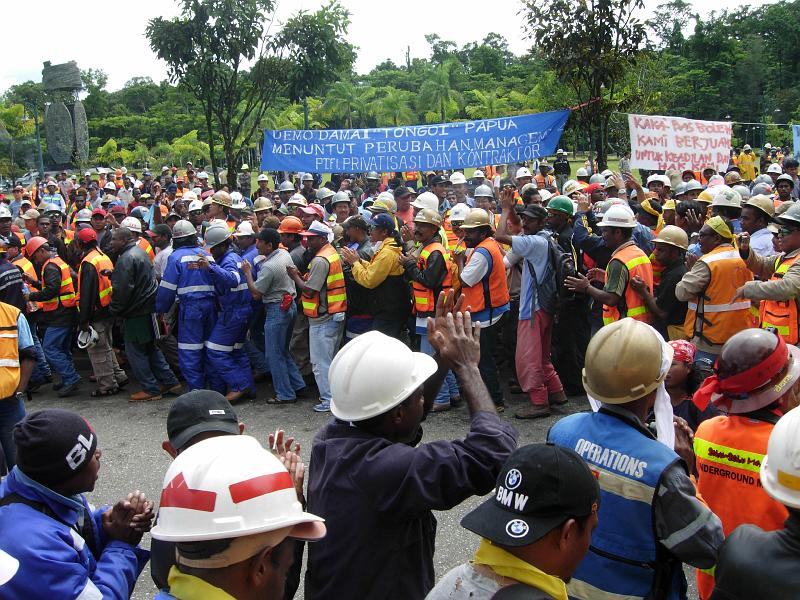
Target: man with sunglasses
column 780, row 277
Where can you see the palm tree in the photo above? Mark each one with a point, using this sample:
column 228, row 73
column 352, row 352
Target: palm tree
column 345, row 101
column 487, row 105
column 437, row 96
column 394, row 108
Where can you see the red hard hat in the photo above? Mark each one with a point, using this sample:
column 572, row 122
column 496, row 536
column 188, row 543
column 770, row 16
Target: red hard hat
column 34, row 244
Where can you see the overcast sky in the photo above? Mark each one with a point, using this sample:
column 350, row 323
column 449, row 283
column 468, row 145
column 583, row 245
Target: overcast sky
column 109, row 34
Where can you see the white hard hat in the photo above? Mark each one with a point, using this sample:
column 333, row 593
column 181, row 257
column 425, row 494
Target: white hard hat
column 110, row 185
column 774, row 168
column 457, row 178
column 237, row 201
column 262, row 177
column 477, row 173
column 742, row 190
column 571, row 186
column 692, row 186
column 545, row 196
column 189, row 196
column 727, row 197
column 286, row 186
column 652, row 178
column 84, row 215
column 183, row 229
column 582, row 172
column 297, row 200
column 560, row 151
column 244, row 229
column 87, row 174
column 483, row 191
column 459, row 212
column 323, row 194
column 132, row 223
column 523, row 172
column 618, row 216
column 342, row 197
column 202, row 175
column 5, row 213
column 780, row 469
column 195, row 205
column 597, row 178
column 746, row 147
column 216, row 234
column 426, row 200
column 307, row 177
column 87, row 338
column 768, row 146
column 378, row 388
column 607, row 173
column 665, row 180
column 245, row 490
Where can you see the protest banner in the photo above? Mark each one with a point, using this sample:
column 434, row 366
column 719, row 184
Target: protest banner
column 415, row 147
column 662, row 143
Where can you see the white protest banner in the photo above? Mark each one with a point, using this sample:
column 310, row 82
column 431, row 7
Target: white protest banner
column 662, row 143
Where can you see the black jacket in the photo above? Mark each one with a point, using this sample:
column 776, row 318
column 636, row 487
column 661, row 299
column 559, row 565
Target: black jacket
column 133, row 283
column 51, row 285
column 754, row 563
column 89, row 308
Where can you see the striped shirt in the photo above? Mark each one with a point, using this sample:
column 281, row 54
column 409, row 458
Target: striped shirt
column 273, row 280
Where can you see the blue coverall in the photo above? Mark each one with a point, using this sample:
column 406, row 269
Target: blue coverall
column 197, row 310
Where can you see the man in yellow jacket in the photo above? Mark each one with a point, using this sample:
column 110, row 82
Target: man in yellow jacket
column 389, row 300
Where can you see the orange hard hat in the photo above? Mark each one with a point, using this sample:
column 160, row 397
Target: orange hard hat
column 289, row 225
column 34, row 244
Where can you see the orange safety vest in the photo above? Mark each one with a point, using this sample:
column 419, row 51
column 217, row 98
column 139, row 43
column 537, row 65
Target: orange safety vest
column 781, row 314
column 424, row 300
column 69, row 235
column 711, row 316
column 729, row 452
column 334, row 286
column 658, row 269
column 475, row 297
column 544, row 182
column 411, row 175
column 637, row 263
column 26, row 266
column 100, row 262
column 66, row 293
column 9, row 350
column 148, row 249
column 452, row 238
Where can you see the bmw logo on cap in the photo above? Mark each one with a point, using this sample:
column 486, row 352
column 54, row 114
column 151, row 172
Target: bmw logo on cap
column 517, row 528
column 513, row 479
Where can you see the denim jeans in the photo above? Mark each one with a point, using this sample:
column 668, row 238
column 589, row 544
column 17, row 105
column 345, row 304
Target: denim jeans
column 255, row 345
column 278, row 326
column 149, row 366
column 487, row 364
column 57, row 344
column 41, row 371
column 449, row 387
column 323, row 340
column 11, row 413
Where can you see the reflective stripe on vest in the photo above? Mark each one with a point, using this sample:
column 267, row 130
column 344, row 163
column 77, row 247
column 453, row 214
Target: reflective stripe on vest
column 334, row 286
column 781, row 315
column 636, row 263
column 629, row 466
column 145, row 245
column 424, row 301
column 493, row 286
column 729, row 451
column 711, row 316
column 9, row 350
column 100, row 262
column 66, row 292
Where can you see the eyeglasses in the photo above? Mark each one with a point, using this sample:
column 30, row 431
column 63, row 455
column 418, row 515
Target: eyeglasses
column 786, row 231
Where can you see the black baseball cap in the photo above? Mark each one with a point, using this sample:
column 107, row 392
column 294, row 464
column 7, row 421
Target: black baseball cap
column 439, row 179
column 534, row 211
column 199, row 411
column 402, row 191
column 539, row 487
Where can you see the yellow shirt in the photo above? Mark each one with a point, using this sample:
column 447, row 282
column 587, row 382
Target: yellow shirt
column 747, row 165
column 506, row 564
column 383, row 264
column 189, row 587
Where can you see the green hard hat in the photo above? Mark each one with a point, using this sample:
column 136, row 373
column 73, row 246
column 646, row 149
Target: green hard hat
column 561, row 204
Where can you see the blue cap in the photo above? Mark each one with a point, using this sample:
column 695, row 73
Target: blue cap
column 383, row 221
column 172, row 188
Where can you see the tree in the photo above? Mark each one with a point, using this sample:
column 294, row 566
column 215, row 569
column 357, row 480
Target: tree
column 345, row 100
column 487, row 105
column 16, row 131
column 394, row 108
column 597, row 42
column 437, row 95
column 206, row 49
column 317, row 51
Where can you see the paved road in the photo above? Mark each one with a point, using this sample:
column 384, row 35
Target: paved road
column 130, row 437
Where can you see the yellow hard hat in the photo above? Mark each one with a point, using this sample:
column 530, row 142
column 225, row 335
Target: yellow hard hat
column 477, row 217
column 431, row 217
column 674, row 236
column 263, row 204
column 706, row 196
column 623, row 362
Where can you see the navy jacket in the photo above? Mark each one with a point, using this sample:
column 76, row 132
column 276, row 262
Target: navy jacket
column 377, row 496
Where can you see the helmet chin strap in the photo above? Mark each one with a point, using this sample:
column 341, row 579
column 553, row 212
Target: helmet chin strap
column 665, row 429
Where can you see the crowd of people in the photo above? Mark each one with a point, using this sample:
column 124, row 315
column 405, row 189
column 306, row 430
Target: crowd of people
column 670, row 304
